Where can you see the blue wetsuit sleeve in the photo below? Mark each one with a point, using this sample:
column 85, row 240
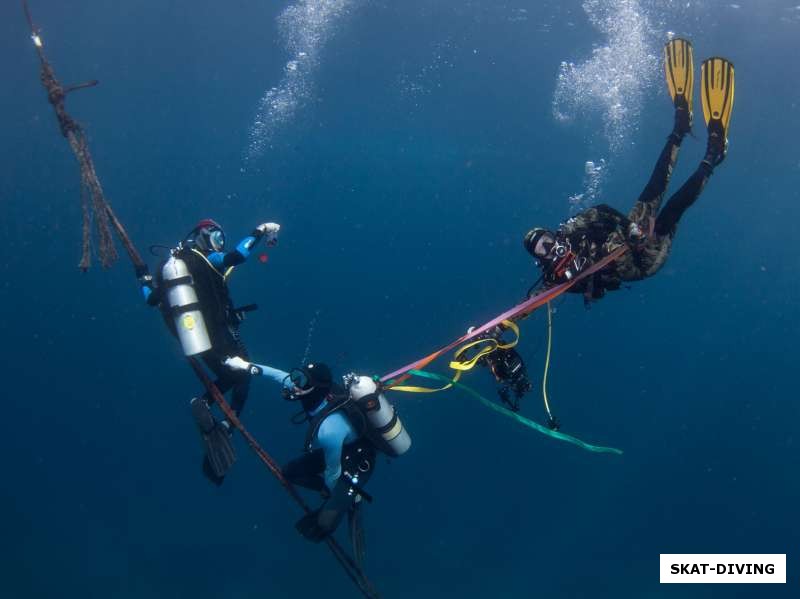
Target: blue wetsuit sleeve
column 279, row 376
column 152, row 295
column 234, row 258
column 246, row 245
column 333, row 433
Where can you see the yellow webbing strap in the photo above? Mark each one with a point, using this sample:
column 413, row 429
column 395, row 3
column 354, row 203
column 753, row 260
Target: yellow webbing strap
column 415, row 389
column 214, row 268
column 491, row 345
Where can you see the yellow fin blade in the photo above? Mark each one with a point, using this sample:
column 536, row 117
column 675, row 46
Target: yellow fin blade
column 718, row 85
column 679, row 70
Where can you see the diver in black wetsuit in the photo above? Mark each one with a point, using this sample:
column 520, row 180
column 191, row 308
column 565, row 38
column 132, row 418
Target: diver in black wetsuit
column 647, row 232
column 208, row 323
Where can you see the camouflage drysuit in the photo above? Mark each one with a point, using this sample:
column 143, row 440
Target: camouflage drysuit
column 598, row 231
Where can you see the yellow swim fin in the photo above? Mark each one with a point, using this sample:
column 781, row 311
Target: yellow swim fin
column 679, row 69
column 717, row 80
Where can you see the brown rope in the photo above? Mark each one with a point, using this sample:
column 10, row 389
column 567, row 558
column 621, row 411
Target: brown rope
column 94, row 205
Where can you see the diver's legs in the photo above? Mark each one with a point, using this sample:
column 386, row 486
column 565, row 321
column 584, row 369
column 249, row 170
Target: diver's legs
column 646, row 207
column 241, row 390
column 306, row 471
column 644, row 211
column 228, row 379
column 680, row 201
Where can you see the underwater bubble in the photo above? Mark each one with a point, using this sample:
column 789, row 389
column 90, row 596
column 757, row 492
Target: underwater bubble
column 305, row 27
column 431, row 75
column 593, row 177
column 612, row 82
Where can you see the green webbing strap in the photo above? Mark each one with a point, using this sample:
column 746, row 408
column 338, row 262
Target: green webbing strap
column 521, row 419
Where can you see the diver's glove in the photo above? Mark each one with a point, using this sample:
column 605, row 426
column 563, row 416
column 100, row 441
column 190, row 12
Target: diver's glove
column 636, row 236
column 309, row 527
column 143, row 275
column 269, row 231
column 319, row 524
column 237, row 363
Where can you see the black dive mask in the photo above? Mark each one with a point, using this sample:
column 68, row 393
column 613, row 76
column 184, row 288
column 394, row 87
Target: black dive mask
column 302, row 390
column 207, row 239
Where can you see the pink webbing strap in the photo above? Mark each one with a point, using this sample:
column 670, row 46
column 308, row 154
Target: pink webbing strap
column 516, row 312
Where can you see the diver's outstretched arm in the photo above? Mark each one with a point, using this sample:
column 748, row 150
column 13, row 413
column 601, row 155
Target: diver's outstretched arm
column 269, row 231
column 279, row 376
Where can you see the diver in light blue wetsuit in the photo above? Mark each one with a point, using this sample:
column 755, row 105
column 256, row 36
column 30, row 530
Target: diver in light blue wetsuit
column 338, row 458
column 209, row 325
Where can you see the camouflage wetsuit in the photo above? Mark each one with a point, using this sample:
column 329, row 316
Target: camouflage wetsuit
column 599, row 230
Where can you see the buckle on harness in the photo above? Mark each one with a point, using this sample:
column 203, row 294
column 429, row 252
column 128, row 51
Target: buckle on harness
column 240, row 313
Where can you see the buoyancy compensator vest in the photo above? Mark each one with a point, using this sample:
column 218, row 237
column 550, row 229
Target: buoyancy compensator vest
column 180, row 300
column 370, row 414
column 186, row 271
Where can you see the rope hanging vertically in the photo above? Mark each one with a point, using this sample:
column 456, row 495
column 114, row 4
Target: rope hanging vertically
column 94, row 205
column 96, row 209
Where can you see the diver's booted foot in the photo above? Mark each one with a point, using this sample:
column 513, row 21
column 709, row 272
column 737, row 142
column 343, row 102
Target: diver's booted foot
column 683, row 118
column 717, row 148
column 216, row 438
column 679, row 71
column 718, row 86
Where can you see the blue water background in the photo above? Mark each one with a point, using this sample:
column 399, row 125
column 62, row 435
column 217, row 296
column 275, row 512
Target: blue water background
column 402, row 220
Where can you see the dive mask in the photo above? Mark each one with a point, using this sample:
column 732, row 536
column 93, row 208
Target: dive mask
column 300, row 385
column 216, row 239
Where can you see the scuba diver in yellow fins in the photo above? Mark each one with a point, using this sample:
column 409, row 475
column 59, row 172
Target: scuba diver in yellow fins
column 647, row 232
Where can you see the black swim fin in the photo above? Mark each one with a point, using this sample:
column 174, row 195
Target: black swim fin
column 216, row 437
column 357, row 538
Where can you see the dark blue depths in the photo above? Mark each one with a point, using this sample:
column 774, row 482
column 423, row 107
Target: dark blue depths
column 402, row 220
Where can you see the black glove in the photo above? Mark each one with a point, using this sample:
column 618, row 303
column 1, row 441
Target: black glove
column 143, row 275
column 317, row 525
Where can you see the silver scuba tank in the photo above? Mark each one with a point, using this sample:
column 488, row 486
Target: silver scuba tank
column 380, row 414
column 182, row 301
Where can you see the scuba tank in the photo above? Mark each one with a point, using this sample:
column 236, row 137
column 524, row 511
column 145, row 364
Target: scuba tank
column 184, row 307
column 380, row 415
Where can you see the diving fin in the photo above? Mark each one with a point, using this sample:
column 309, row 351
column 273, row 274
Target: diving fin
column 717, row 81
column 357, row 539
column 679, row 71
column 216, row 437
column 679, row 67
